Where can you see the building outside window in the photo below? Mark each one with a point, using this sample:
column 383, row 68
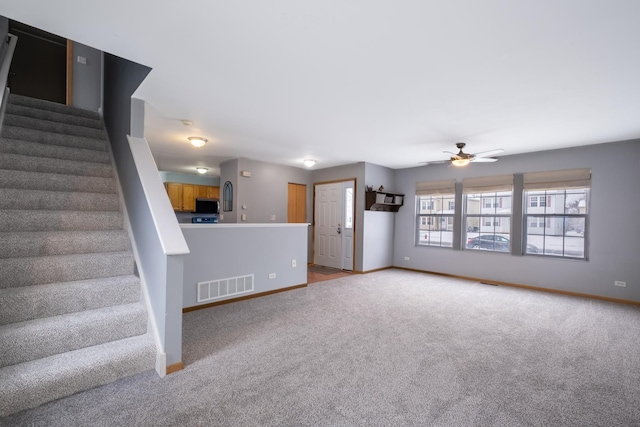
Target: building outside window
column 562, row 219
column 487, row 213
column 435, row 213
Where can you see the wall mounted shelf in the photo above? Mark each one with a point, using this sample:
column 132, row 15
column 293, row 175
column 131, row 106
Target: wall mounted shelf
column 382, row 201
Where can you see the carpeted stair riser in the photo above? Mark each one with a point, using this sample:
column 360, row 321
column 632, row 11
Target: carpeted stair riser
column 48, row 126
column 28, row 220
column 31, row 384
column 44, row 243
column 53, row 299
column 53, row 116
column 27, row 271
column 43, row 137
column 57, row 200
column 10, row 161
column 56, row 182
column 51, row 106
column 35, row 339
column 36, row 149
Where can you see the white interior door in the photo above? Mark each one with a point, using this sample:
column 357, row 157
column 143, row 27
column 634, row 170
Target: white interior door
column 333, row 245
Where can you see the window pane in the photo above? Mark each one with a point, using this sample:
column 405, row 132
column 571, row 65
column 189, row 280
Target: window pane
column 348, row 208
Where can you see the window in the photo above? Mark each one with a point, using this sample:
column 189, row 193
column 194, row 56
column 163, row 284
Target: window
column 227, row 197
column 533, row 201
column 436, row 207
column 487, row 213
column 562, row 214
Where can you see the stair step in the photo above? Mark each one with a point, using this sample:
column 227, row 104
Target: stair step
column 31, row 180
column 30, row 220
column 42, row 137
column 53, row 299
column 49, row 126
column 27, row 271
column 31, row 384
column 12, row 198
column 42, row 243
column 53, row 116
column 38, row 338
column 44, row 150
column 41, row 104
column 10, row 161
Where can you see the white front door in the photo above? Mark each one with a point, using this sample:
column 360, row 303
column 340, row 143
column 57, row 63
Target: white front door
column 333, row 245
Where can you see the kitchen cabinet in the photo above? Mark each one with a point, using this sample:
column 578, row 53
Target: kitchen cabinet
column 183, row 196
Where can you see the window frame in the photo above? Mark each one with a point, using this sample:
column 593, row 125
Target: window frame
column 434, row 220
column 549, row 218
column 488, row 219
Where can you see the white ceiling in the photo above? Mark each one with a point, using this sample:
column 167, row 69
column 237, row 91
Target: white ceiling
column 388, row 82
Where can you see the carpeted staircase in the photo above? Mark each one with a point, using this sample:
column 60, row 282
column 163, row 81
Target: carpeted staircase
column 71, row 316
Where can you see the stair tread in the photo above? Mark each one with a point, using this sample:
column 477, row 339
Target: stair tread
column 53, row 151
column 16, row 133
column 19, row 244
column 29, row 384
column 55, row 181
column 52, row 299
column 27, row 271
column 42, row 104
column 24, row 162
column 35, row 220
column 44, row 337
column 54, row 116
column 51, row 126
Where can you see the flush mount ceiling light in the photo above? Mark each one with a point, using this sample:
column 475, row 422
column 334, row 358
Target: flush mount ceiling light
column 197, row 141
column 202, row 170
column 309, row 162
column 460, row 162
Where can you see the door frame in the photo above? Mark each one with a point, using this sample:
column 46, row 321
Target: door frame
column 355, row 219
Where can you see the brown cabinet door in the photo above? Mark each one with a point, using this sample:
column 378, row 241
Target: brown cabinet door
column 174, row 191
column 202, row 191
column 188, row 197
column 213, row 192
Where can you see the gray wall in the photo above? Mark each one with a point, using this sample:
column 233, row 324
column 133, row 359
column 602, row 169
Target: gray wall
column 266, row 192
column 354, row 171
column 613, row 244
column 378, row 228
column 87, row 78
column 224, row 251
column 229, row 172
column 121, row 78
column 186, row 178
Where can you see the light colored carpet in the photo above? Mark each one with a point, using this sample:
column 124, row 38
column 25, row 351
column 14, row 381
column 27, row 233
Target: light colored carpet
column 387, row 348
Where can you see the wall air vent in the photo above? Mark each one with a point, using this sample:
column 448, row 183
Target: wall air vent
column 223, row 288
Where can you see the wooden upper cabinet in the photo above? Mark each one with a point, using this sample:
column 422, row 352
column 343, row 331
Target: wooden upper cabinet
column 213, row 192
column 174, row 191
column 183, row 196
column 188, row 197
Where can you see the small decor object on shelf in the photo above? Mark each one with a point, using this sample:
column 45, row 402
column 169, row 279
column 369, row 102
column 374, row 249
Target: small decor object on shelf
column 369, row 187
column 381, row 188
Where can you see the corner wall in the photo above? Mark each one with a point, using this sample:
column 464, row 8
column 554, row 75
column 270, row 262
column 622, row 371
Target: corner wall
column 613, row 245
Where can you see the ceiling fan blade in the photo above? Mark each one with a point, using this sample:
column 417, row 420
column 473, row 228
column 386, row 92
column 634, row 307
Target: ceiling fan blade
column 489, row 153
column 449, row 152
column 484, row 159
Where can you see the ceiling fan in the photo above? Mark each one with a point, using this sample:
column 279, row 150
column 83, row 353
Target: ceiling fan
column 463, row 159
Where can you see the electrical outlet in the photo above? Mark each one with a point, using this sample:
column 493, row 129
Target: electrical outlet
column 293, row 263
column 243, row 217
column 272, row 275
column 619, row 283
column 272, row 217
column 407, row 258
column 82, row 60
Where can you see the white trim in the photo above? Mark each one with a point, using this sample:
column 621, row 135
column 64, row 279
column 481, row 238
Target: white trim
column 6, row 64
column 166, row 223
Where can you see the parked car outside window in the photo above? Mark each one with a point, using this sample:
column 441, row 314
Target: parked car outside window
column 498, row 243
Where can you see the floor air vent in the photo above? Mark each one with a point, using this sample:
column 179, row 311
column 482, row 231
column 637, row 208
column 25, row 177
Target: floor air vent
column 222, row 288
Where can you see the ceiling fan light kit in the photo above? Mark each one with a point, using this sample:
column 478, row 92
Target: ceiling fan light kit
column 460, row 162
column 463, row 159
